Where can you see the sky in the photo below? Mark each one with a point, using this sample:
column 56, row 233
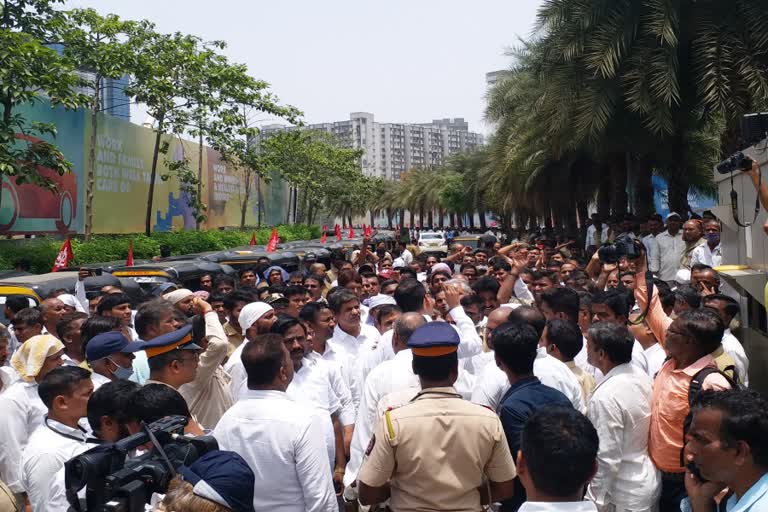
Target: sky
column 403, row 60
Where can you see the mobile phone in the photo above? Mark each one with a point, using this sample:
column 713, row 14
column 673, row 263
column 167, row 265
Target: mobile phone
column 695, row 471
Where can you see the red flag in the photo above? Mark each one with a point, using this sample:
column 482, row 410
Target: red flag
column 324, row 236
column 351, row 233
column 129, row 259
column 369, row 232
column 253, row 238
column 64, row 257
column 337, row 231
column 365, row 231
column 273, row 240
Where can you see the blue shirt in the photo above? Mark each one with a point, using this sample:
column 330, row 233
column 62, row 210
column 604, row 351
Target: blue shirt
column 519, row 403
column 754, row 500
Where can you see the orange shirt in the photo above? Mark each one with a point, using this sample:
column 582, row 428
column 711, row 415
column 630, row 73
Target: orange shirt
column 669, row 409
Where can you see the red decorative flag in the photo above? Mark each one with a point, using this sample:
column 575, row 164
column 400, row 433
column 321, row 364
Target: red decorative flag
column 253, row 238
column 64, row 257
column 324, row 236
column 337, row 231
column 351, row 233
column 365, row 231
column 273, row 240
column 129, row 259
column 369, row 233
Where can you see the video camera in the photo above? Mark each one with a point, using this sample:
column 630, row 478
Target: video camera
column 115, row 484
column 737, row 162
column 624, row 245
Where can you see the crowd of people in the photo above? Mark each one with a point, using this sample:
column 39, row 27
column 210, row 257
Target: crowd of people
column 530, row 375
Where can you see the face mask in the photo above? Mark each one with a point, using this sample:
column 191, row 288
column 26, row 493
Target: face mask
column 713, row 238
column 121, row 373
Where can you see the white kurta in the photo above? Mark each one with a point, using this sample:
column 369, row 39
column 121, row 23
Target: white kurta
column 22, row 412
column 620, row 410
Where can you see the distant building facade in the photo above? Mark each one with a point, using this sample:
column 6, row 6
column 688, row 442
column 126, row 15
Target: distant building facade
column 391, row 149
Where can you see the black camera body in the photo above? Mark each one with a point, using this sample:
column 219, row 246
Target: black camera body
column 115, row 483
column 738, row 162
column 624, row 245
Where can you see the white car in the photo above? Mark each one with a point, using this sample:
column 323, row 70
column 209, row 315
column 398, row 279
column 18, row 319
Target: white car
column 430, row 241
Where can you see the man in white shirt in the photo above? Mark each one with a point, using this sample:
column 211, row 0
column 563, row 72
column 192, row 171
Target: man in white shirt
column 557, row 459
column 390, row 376
column 281, row 440
column 713, row 249
column 352, row 336
column 620, row 410
column 727, row 308
column 597, row 233
column 255, row 318
column 65, row 392
column 668, row 249
column 492, row 383
column 652, row 350
column 405, row 253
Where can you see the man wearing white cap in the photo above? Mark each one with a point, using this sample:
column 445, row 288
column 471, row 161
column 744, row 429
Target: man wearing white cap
column 255, row 318
column 183, row 300
column 668, row 249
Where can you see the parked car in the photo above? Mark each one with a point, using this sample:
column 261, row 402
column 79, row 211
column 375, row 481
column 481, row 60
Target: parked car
column 433, row 242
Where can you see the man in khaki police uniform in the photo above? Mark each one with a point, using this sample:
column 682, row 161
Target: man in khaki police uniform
column 438, row 451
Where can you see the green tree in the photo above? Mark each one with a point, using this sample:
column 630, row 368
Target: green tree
column 98, row 44
column 32, row 72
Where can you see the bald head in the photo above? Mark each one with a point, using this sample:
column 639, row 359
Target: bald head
column 404, row 328
column 52, row 310
column 497, row 317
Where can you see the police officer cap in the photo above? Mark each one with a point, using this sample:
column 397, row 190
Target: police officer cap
column 108, row 343
column 180, row 339
column 222, row 477
column 434, row 339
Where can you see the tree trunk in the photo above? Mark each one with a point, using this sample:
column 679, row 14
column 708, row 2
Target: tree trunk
column 643, row 197
column 441, row 219
column 619, row 186
column 481, row 213
column 430, row 219
column 389, row 218
column 421, row 218
column 258, row 202
column 604, row 195
column 410, row 213
column 288, row 210
column 373, row 220
column 244, row 206
column 350, row 220
column 677, row 192
column 91, row 176
column 582, row 209
column 199, row 176
column 471, row 220
column 152, row 178
column 295, row 202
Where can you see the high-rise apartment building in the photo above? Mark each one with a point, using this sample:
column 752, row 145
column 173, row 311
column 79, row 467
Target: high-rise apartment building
column 390, row 149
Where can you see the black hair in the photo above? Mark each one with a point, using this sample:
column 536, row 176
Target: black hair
column 466, row 266
column 198, row 329
column 744, row 417
column 235, row 296
column 484, row 251
column 16, row 303
column 616, row 300
column 338, row 298
column 388, row 282
column 99, row 325
column 263, row 358
column 310, row 311
column 406, row 272
column 215, row 297
column 562, row 300
column 386, row 309
column 409, row 295
column 150, row 313
column 435, row 368
column 111, row 300
column 689, row 295
column 486, row 284
column 560, row 449
column 285, row 322
column 27, row 316
column 546, row 274
column 698, row 267
column 244, row 270
column 705, row 326
column 530, row 316
column 296, row 273
column 113, row 399
column 61, row 381
column 615, row 340
column 291, row 291
column 500, row 264
column 471, row 300
column 731, row 304
column 515, row 345
column 585, row 300
column 224, row 279
column 62, row 326
column 566, row 335
column 315, row 277
column 159, row 362
column 348, row 276
column 153, row 401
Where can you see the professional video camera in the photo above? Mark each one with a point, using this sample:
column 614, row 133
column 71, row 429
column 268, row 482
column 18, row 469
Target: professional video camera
column 624, row 245
column 116, row 484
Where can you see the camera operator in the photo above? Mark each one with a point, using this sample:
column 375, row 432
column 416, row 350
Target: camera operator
column 219, row 481
column 65, row 392
column 111, row 417
column 727, row 444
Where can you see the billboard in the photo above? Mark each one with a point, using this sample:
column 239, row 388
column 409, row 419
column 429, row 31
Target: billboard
column 121, row 183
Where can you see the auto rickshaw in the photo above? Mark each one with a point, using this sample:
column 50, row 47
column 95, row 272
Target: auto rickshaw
column 186, row 273
column 245, row 256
